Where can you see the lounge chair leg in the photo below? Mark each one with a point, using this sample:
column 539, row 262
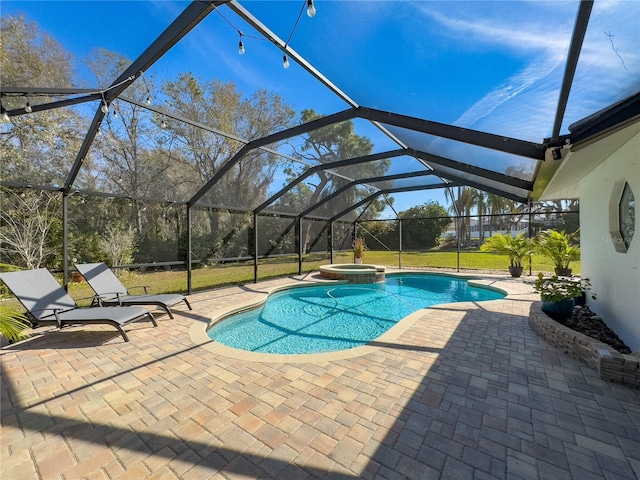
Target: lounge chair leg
column 122, row 332
column 153, row 319
column 168, row 310
column 188, row 304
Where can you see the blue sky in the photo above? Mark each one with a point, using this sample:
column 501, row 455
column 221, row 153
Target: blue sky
column 495, row 66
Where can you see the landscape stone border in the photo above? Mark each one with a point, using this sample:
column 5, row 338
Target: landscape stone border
column 612, row 365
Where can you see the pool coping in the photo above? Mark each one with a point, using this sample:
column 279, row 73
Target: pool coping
column 198, row 331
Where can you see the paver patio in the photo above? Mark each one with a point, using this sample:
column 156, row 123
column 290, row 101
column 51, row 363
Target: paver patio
column 463, row 391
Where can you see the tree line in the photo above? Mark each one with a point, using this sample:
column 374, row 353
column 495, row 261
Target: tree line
column 141, row 155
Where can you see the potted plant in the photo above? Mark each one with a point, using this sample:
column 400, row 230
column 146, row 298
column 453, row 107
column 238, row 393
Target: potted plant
column 558, row 294
column 514, row 248
column 560, row 248
column 358, row 249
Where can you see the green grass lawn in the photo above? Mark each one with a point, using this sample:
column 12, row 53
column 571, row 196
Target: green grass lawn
column 175, row 281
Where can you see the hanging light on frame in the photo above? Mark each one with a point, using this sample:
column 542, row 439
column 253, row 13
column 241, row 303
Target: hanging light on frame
column 104, row 108
column 311, row 9
column 241, row 45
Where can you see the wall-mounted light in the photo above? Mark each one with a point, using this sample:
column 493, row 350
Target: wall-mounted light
column 556, row 153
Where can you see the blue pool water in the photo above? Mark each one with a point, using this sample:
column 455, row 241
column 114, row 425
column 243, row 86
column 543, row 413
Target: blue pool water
column 337, row 317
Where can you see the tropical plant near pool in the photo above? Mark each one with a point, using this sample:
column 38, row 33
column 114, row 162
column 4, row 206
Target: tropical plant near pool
column 559, row 247
column 12, row 321
column 516, row 249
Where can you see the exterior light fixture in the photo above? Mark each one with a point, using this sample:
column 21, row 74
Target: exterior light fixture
column 148, row 100
column 163, row 124
column 556, row 153
column 3, row 115
column 115, row 114
column 104, row 108
column 285, row 61
column 27, row 107
column 311, row 9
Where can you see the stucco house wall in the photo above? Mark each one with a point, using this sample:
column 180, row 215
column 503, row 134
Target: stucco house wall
column 615, row 276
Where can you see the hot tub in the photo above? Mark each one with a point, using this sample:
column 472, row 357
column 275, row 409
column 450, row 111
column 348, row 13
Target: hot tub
column 353, row 272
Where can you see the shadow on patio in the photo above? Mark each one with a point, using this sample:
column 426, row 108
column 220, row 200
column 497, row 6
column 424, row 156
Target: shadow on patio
column 468, row 392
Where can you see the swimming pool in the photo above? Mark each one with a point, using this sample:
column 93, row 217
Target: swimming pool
column 339, row 316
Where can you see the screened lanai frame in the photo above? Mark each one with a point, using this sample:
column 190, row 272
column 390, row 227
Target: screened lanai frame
column 413, row 136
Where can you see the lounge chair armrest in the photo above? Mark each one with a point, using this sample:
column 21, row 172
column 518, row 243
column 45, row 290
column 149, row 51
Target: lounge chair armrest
column 96, row 301
column 85, row 298
column 92, row 298
column 141, row 286
column 56, row 312
column 110, row 296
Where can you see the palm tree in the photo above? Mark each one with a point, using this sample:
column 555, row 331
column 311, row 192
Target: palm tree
column 479, row 199
column 498, row 205
column 495, row 205
column 461, row 208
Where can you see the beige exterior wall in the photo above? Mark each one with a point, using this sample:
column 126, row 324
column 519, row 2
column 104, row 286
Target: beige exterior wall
column 615, row 276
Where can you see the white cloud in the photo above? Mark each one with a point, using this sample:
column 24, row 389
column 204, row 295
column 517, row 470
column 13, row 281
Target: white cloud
column 520, row 37
column 508, row 91
column 524, row 104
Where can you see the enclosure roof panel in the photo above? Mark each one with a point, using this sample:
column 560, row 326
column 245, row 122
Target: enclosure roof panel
column 468, row 90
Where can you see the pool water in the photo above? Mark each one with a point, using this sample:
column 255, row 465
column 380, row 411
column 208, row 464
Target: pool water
column 338, row 317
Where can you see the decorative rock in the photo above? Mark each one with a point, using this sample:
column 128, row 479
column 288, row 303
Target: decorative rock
column 583, row 320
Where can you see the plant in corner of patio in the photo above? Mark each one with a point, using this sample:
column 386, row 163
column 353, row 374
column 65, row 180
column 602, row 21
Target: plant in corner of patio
column 514, row 248
column 558, row 294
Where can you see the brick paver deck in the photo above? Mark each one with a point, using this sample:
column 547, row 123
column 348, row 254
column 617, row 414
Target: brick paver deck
column 463, row 391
